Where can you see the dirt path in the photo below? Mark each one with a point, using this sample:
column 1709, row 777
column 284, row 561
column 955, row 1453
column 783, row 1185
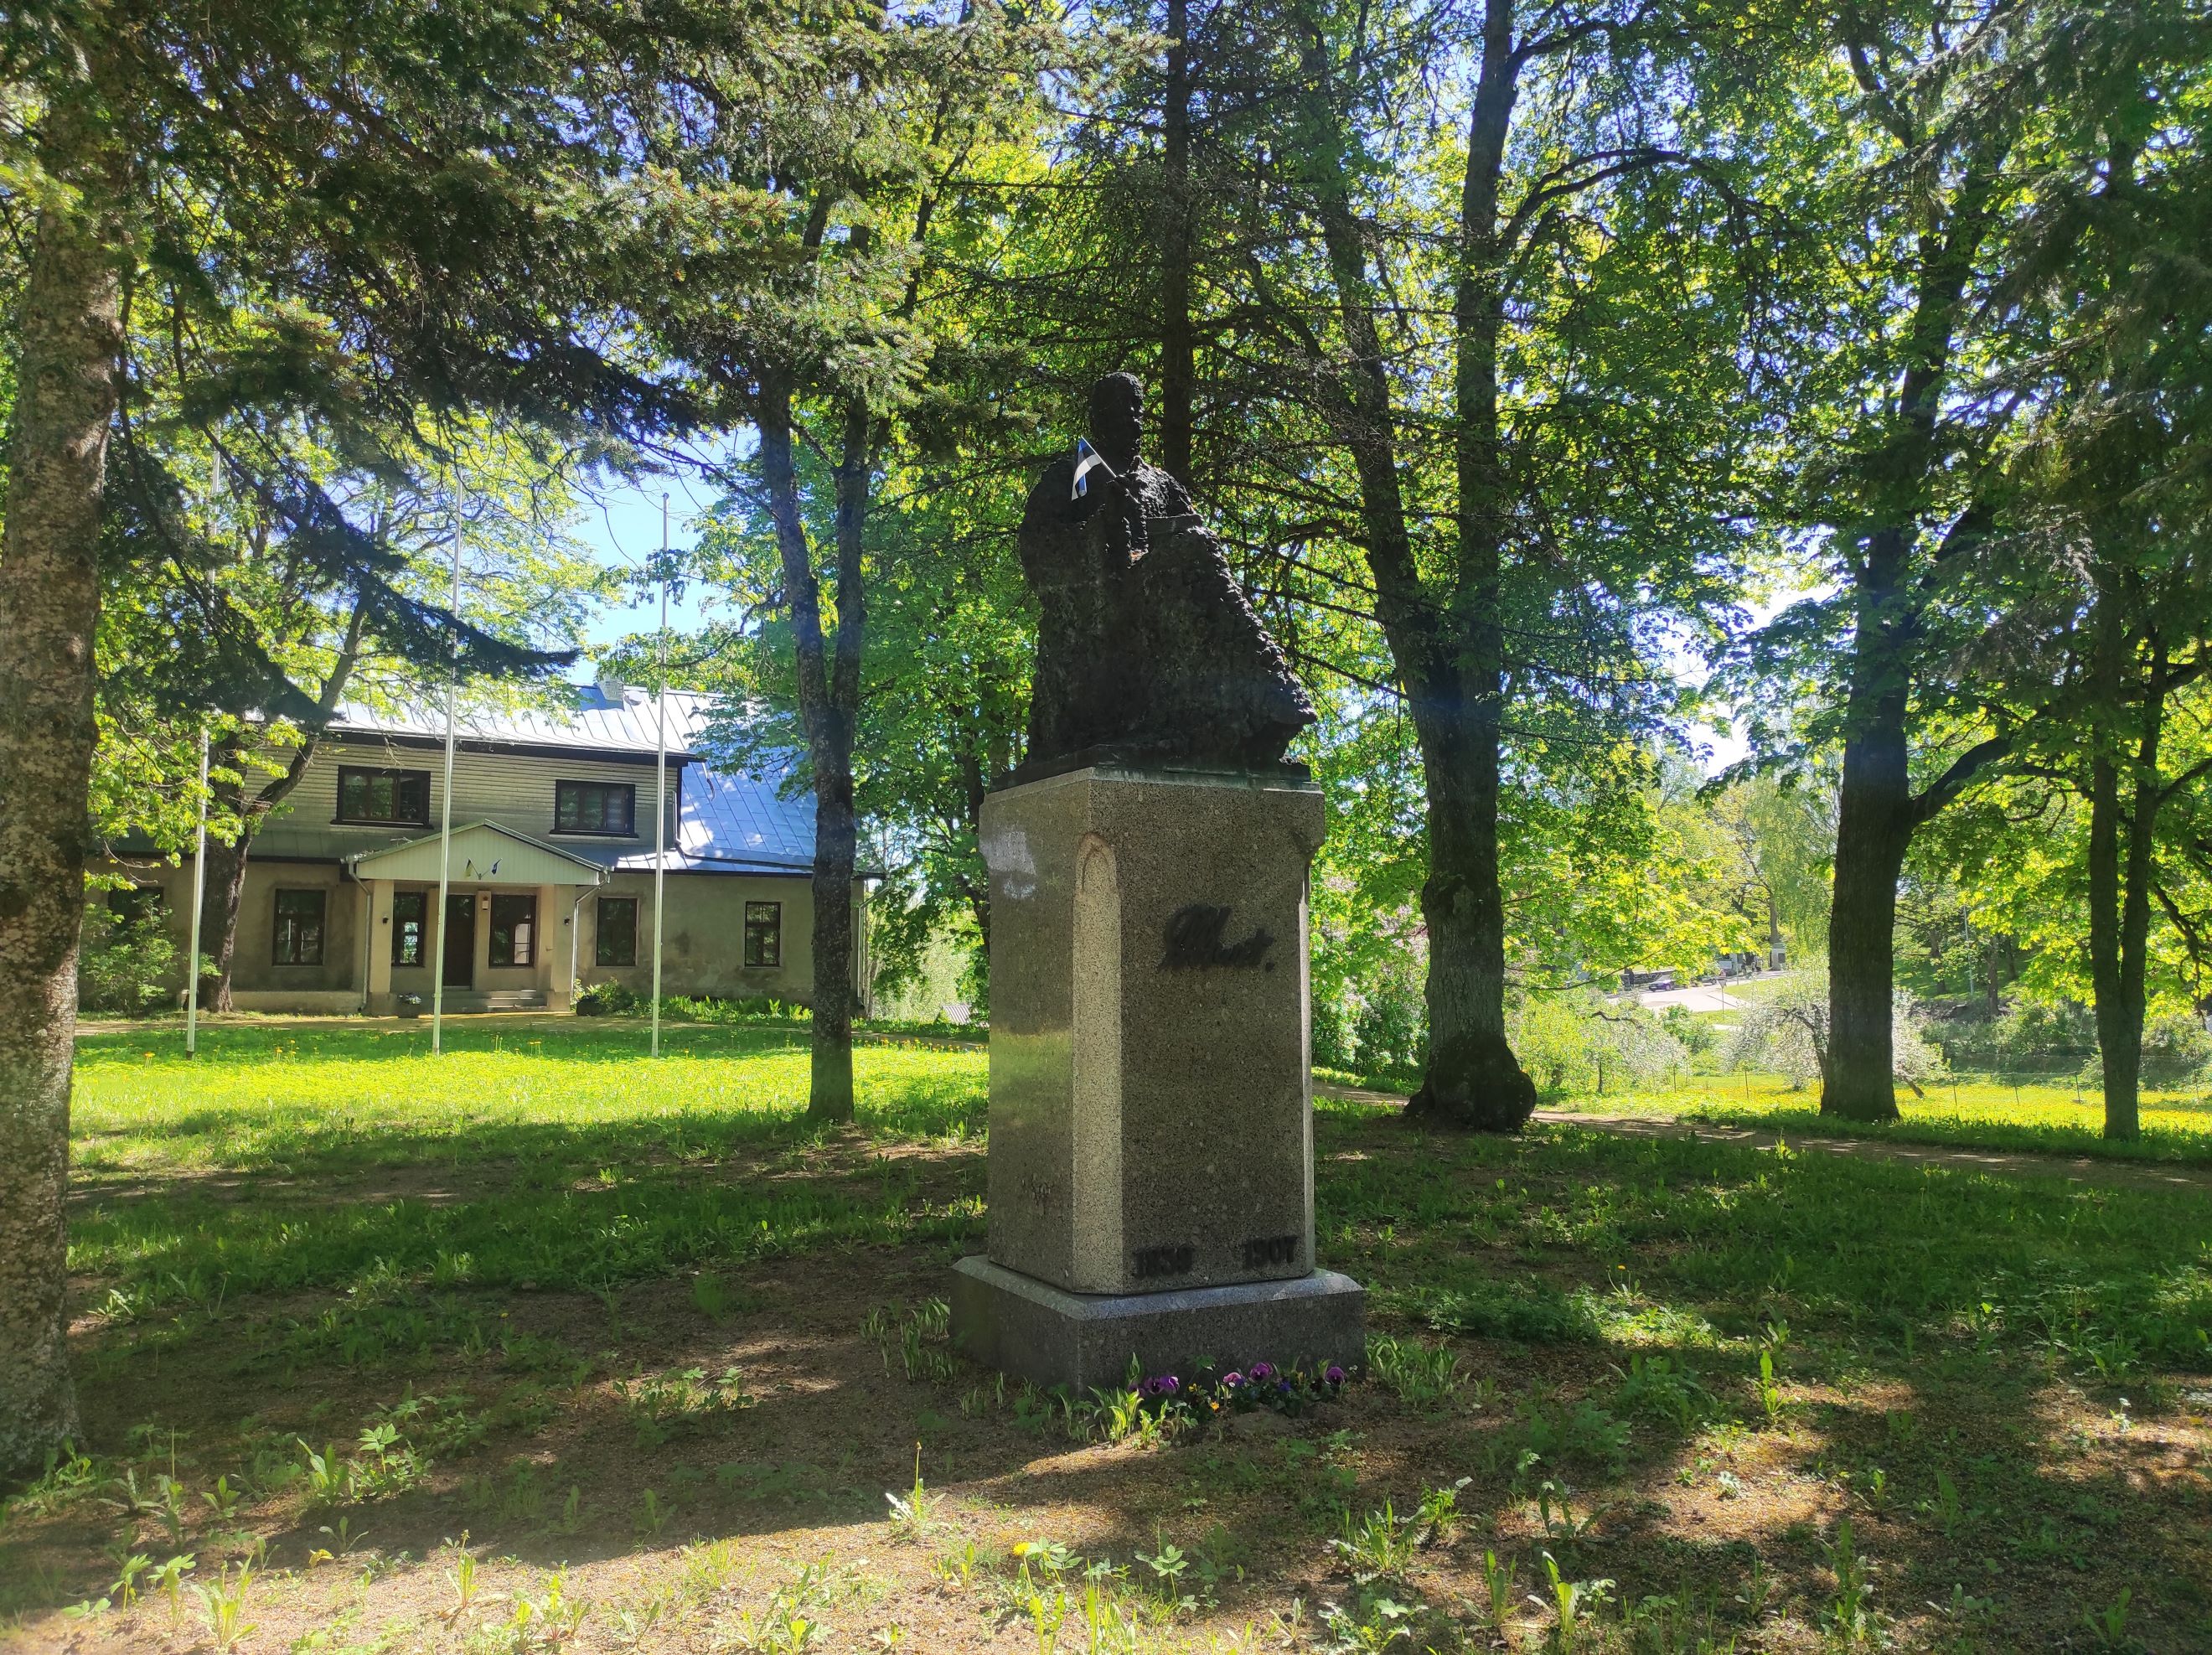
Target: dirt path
column 2075, row 1169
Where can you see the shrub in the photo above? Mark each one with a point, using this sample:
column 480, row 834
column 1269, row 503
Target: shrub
column 128, row 961
column 1577, row 1042
column 1332, row 1032
column 1697, row 1037
column 2175, row 1049
column 1390, row 1029
column 604, row 1000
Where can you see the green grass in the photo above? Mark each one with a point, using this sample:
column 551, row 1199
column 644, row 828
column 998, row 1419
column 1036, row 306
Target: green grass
column 352, row 1096
column 2033, row 1117
column 1694, row 1243
column 558, row 1156
column 1709, row 1352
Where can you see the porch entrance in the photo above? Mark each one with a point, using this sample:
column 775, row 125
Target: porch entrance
column 459, row 950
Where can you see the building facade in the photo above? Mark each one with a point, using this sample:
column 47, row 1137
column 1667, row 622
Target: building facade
column 550, row 873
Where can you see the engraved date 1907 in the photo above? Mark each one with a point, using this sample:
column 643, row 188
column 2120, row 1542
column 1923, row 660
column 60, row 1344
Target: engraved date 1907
column 1261, row 1251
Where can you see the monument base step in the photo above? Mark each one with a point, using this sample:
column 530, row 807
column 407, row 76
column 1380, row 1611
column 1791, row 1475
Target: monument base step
column 1050, row 1336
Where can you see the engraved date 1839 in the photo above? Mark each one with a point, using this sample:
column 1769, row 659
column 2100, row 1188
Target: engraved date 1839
column 1151, row 1263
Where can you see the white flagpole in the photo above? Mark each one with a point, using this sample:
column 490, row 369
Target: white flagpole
column 446, row 827
column 199, row 901
column 661, row 784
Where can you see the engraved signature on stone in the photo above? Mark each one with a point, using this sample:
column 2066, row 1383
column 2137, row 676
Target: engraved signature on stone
column 1195, row 941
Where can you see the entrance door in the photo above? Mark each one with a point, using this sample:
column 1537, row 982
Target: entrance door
column 460, row 946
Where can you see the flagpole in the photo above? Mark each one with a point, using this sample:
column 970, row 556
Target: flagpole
column 199, row 901
column 661, row 783
column 446, row 825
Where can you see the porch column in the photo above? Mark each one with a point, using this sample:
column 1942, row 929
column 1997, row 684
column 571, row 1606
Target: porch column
column 551, row 953
column 379, row 926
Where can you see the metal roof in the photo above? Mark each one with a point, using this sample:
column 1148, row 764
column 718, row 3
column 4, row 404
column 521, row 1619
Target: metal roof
column 624, row 723
column 727, row 822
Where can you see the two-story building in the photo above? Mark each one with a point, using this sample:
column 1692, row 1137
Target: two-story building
column 551, row 872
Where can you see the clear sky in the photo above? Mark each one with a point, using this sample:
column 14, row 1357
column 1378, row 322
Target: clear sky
column 622, row 528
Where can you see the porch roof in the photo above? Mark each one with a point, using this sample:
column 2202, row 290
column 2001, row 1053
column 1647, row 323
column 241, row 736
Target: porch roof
column 484, row 853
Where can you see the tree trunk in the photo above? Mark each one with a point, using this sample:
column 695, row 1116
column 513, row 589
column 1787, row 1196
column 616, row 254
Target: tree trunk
column 225, row 886
column 1472, row 1079
column 70, row 345
column 226, row 876
column 1453, row 685
column 1873, row 830
column 2121, row 843
column 828, row 700
column 1178, row 358
column 226, row 881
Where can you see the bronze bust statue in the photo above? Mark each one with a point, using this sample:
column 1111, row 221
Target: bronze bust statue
column 1148, row 655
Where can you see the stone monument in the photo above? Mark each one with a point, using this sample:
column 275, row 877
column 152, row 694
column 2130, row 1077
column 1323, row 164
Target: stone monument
column 1151, row 1172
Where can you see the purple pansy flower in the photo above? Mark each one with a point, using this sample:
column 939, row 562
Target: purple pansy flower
column 1333, row 1375
column 1263, row 1371
column 1230, row 1381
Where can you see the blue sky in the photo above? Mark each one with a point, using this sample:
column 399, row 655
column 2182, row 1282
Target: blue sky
column 623, row 529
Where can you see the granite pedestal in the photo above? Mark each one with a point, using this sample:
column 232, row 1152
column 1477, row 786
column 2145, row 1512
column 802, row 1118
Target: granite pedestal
column 1150, row 1169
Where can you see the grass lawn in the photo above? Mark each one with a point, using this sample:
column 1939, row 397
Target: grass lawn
column 544, row 1346
column 1982, row 1113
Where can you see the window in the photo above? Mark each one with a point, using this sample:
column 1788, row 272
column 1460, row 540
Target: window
column 366, row 796
column 617, row 931
column 408, row 909
column 299, row 927
column 764, row 933
column 514, row 929
column 594, row 807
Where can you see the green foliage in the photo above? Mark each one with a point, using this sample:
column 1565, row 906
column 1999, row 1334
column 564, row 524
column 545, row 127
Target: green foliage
column 128, row 963
column 604, row 1000
column 1662, row 1389
column 1423, row 1375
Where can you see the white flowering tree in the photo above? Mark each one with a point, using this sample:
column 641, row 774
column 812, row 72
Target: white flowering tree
column 1784, row 1030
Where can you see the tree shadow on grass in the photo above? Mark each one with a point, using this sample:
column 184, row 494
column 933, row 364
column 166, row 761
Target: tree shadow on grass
column 1548, row 1266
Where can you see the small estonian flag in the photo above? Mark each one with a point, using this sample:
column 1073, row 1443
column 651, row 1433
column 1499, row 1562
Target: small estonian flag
column 1087, row 460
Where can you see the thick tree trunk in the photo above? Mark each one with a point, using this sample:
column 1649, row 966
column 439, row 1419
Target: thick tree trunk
column 2120, row 1025
column 1857, row 1079
column 72, row 341
column 1178, row 356
column 1472, row 1079
column 226, row 887
column 835, row 838
column 1873, row 830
